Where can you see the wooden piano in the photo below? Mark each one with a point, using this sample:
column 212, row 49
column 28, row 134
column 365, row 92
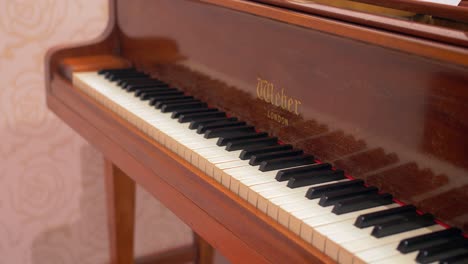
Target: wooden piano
column 281, row 131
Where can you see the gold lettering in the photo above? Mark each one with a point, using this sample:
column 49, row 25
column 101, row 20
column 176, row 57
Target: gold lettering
column 259, row 88
column 296, row 108
column 272, row 91
column 277, row 118
column 290, row 103
column 284, row 99
column 267, row 93
column 278, row 98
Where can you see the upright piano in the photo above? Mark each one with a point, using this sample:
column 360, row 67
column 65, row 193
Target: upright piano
column 281, row 131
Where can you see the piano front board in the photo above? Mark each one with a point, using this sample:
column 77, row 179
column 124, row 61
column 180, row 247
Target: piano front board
column 386, row 108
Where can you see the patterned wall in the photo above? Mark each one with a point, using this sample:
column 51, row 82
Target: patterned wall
column 51, row 181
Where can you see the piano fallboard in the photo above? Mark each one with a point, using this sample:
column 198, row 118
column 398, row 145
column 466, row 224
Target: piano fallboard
column 387, row 108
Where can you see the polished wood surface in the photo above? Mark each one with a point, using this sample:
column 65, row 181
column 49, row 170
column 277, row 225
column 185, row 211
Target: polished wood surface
column 89, row 63
column 205, row 251
column 421, row 25
column 387, row 107
column 422, row 7
column 184, row 254
column 387, row 115
column 120, row 193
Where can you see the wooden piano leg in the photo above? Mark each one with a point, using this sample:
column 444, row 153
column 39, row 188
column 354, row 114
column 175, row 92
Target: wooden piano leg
column 120, row 190
column 204, row 251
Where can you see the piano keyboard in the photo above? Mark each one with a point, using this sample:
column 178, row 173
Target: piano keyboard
column 346, row 219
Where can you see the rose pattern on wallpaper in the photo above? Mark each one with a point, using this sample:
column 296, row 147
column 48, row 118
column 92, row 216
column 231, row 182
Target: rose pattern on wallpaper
column 52, row 200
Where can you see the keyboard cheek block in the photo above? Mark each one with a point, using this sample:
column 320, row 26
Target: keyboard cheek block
column 316, row 201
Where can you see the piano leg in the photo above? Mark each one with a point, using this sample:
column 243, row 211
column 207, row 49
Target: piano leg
column 204, row 251
column 120, row 191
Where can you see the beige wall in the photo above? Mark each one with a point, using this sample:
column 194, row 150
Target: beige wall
column 51, row 186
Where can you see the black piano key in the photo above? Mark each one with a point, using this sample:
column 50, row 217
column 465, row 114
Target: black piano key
column 141, row 88
column 160, row 104
column 148, row 90
column 428, row 240
column 457, row 259
column 134, row 87
column 455, row 247
column 104, row 71
column 380, row 217
column 318, row 191
column 110, row 74
column 157, row 92
column 284, row 163
column 284, row 175
column 143, row 82
column 154, row 99
column 361, row 203
column 223, row 141
column 178, row 113
column 159, row 96
column 228, row 131
column 248, row 143
column 259, row 158
column 250, row 151
column 163, row 97
column 225, row 123
column 194, row 124
column 169, row 107
column 333, row 198
column 316, row 177
column 126, row 76
column 199, row 116
column 123, row 74
column 139, row 81
column 402, row 225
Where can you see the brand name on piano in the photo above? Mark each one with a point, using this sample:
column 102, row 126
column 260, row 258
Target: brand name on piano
column 267, row 92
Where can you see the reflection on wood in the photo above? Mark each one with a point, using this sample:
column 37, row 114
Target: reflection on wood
column 378, row 165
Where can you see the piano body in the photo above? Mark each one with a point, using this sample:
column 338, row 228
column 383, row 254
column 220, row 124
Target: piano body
column 379, row 97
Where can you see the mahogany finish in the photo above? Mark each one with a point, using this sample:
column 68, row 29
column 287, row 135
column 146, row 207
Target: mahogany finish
column 393, row 23
column 205, row 251
column 387, row 107
column 184, row 254
column 121, row 211
column 395, row 119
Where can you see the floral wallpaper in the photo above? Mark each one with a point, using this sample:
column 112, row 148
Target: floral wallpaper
column 52, row 207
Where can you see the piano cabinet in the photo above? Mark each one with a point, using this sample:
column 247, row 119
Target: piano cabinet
column 383, row 101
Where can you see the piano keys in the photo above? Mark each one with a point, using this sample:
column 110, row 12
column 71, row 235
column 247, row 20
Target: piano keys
column 352, row 223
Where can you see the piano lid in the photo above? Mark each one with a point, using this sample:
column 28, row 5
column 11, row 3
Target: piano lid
column 436, row 21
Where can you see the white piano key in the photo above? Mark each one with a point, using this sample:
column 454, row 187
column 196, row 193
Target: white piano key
column 351, row 247
column 400, row 259
column 376, row 254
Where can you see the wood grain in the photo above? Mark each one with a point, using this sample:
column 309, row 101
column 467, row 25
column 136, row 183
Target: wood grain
column 70, row 65
column 367, row 20
column 205, row 252
column 120, row 193
column 178, row 255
